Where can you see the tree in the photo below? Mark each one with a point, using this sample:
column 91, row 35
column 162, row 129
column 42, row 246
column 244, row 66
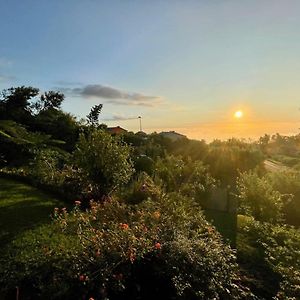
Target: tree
column 93, row 116
column 15, row 104
column 62, row 126
column 49, row 100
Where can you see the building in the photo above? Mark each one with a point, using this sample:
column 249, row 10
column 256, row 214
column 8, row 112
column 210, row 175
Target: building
column 116, row 130
column 174, row 136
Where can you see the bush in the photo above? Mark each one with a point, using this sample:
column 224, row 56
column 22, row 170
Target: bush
column 227, row 158
column 258, row 198
column 288, row 183
column 191, row 178
column 154, row 250
column 103, row 161
column 274, row 251
column 141, row 189
column 47, row 166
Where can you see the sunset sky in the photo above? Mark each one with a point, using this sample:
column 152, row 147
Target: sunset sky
column 181, row 65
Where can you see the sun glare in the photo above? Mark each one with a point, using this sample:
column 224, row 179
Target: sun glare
column 238, row 114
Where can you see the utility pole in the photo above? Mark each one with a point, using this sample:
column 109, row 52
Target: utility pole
column 139, row 117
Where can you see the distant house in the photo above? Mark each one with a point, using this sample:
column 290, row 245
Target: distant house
column 116, row 130
column 174, row 136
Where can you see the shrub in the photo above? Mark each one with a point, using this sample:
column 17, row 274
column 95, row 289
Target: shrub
column 275, row 251
column 189, row 177
column 47, row 166
column 141, row 189
column 258, row 198
column 103, row 160
column 154, row 250
column 288, row 183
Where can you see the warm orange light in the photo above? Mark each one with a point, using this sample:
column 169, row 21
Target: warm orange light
column 238, row 114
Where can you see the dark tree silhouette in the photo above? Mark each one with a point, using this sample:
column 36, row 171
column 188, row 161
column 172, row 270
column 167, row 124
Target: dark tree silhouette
column 93, row 116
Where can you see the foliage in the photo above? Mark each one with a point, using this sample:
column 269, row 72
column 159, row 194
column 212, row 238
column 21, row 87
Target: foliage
column 49, row 100
column 141, row 189
column 288, row 183
column 282, row 145
column 144, row 163
column 18, row 144
column 59, row 125
column 197, row 181
column 36, row 262
column 103, row 161
column 281, row 245
column 163, row 249
column 227, row 159
column 93, row 116
column 15, row 103
column 47, row 166
column 190, row 178
column 276, row 249
column 258, row 198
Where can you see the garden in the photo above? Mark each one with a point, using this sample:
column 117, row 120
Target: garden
column 90, row 215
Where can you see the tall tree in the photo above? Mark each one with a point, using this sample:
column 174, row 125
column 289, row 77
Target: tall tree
column 93, row 116
column 15, row 103
column 49, row 100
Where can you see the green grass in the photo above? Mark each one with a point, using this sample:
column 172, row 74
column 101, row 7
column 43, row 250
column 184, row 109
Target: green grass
column 22, row 207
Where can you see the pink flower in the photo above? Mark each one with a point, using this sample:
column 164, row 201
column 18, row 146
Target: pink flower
column 82, row 278
column 77, row 202
column 124, row 226
column 157, row 246
column 56, row 209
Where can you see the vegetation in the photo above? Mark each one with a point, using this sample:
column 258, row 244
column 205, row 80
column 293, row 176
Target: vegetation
column 141, row 227
column 22, row 207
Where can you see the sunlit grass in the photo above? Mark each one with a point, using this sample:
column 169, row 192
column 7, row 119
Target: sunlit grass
column 22, row 207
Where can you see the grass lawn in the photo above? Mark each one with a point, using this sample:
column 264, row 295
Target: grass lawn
column 22, row 207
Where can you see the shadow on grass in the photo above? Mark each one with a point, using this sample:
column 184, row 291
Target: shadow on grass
column 22, row 207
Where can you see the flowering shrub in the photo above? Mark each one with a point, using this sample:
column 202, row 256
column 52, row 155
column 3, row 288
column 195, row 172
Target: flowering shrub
column 159, row 249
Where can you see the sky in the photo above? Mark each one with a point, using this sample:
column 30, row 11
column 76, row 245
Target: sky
column 180, row 65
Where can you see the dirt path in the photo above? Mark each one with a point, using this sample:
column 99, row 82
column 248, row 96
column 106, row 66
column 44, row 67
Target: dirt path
column 274, row 166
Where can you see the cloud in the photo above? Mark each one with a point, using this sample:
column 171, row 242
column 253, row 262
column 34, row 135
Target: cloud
column 117, row 117
column 5, row 62
column 67, row 83
column 7, row 78
column 113, row 95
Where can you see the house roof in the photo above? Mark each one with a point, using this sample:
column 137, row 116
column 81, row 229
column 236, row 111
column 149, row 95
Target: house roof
column 116, row 130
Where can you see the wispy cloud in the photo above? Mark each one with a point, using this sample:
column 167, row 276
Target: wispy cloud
column 117, row 117
column 4, row 78
column 5, row 62
column 113, row 95
column 65, row 83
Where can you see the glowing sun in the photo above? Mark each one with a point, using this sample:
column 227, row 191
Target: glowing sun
column 238, row 114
